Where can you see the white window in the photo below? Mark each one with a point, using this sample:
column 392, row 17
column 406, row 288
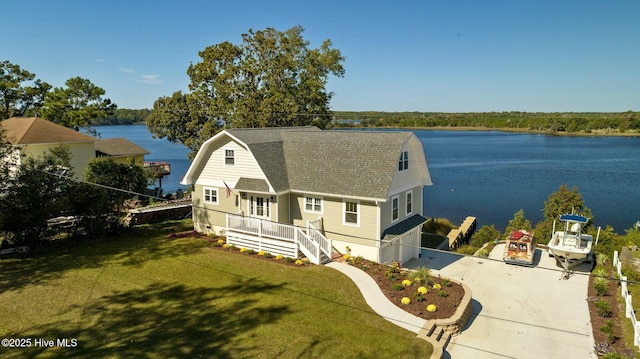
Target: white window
column 210, row 195
column 395, row 208
column 313, row 204
column 409, row 201
column 351, row 213
column 229, row 157
column 403, row 162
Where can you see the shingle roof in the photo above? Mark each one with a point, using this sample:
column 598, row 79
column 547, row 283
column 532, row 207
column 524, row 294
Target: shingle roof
column 404, row 226
column 119, row 147
column 32, row 130
column 252, row 184
column 349, row 163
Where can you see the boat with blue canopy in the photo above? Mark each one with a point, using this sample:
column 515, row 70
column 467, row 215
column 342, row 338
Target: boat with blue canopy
column 569, row 245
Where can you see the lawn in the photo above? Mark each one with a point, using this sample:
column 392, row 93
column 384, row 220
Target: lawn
column 144, row 294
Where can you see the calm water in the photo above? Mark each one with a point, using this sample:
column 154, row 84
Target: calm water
column 491, row 174
column 161, row 150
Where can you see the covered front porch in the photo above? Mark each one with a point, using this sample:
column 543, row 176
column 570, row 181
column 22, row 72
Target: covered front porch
column 279, row 239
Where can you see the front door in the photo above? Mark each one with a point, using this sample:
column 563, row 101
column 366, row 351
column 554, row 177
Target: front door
column 259, row 207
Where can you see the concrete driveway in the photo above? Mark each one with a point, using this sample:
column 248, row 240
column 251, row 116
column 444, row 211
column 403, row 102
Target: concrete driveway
column 519, row 312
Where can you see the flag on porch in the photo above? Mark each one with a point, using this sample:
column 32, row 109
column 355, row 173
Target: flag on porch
column 228, row 189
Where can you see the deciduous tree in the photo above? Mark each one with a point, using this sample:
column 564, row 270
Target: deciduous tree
column 270, row 79
column 563, row 201
column 36, row 192
column 127, row 178
column 519, row 221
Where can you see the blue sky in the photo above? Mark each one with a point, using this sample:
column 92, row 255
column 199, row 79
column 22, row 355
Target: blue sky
column 432, row 56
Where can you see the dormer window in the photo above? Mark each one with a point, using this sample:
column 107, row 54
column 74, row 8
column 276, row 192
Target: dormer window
column 403, row 162
column 229, row 157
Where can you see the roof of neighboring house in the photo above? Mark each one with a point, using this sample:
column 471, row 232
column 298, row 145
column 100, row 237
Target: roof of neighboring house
column 115, row 147
column 35, row 130
column 305, row 159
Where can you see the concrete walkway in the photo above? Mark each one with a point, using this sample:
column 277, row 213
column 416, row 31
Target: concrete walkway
column 377, row 300
column 519, row 312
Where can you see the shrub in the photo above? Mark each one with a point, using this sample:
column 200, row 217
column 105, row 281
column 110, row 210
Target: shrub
column 443, row 294
column 216, row 244
column 601, row 286
column 483, row 253
column 423, row 290
column 602, row 258
column 250, row 251
column 446, row 282
column 599, row 272
column 261, row 253
column 289, row 259
column 614, row 355
column 419, row 297
column 243, row 249
column 405, row 300
column 397, row 286
column 346, row 256
column 226, row 245
column 603, row 308
column 299, row 262
column 607, row 329
column 431, row 308
column 406, row 283
column 279, row 257
column 420, row 275
column 268, row 255
column 437, row 286
column 632, row 274
column 467, row 249
column 220, row 241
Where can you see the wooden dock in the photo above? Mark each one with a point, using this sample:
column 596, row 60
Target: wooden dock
column 461, row 235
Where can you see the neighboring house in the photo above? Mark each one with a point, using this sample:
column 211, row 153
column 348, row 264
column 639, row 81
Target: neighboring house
column 360, row 189
column 34, row 136
column 120, row 150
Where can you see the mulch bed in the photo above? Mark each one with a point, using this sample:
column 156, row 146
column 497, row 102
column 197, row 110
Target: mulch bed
column 445, row 305
column 602, row 344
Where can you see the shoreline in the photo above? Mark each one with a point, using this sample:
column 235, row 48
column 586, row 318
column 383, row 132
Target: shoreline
column 597, row 133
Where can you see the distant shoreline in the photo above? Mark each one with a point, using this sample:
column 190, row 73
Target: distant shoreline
column 595, row 133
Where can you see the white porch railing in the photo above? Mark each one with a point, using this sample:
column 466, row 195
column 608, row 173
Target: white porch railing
column 276, row 238
column 324, row 243
column 627, row 300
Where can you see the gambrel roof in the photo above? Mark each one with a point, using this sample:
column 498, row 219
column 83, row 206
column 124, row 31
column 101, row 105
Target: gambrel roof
column 35, row 130
column 305, row 159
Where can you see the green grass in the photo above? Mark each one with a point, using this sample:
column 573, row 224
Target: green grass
column 147, row 295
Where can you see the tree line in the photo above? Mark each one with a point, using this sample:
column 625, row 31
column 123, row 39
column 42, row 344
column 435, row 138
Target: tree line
column 553, row 122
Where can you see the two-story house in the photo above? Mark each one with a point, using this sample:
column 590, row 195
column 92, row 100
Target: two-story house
column 360, row 190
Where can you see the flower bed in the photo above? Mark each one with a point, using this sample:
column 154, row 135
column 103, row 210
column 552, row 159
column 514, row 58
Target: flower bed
column 414, row 291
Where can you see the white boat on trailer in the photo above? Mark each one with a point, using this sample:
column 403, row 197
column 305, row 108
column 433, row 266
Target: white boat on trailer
column 570, row 246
